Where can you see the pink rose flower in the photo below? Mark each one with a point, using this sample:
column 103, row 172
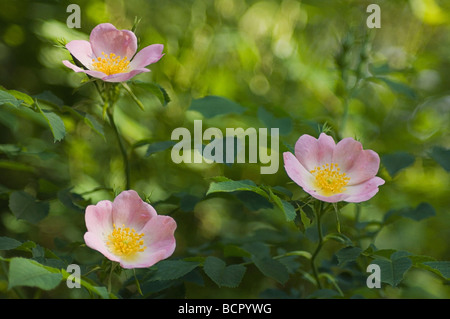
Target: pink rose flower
column 334, row 172
column 129, row 231
column 110, row 54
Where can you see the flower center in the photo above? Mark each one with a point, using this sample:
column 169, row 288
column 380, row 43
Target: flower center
column 330, row 179
column 111, row 64
column 125, row 242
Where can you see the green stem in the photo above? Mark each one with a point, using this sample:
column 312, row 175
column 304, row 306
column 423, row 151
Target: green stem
column 133, row 96
column 114, row 264
column 123, row 151
column 112, row 94
column 319, row 246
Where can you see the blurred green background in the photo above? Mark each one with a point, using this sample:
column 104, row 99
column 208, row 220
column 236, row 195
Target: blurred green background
column 299, row 60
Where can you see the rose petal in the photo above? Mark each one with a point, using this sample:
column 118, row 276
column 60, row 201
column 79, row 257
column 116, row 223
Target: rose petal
column 296, row 171
column 312, row 152
column 346, row 152
column 105, row 38
column 97, row 243
column 82, row 51
column 364, row 191
column 365, row 167
column 99, row 225
column 95, row 74
column 99, row 217
column 123, row 77
column 329, row 199
column 130, row 210
column 159, row 240
column 146, row 56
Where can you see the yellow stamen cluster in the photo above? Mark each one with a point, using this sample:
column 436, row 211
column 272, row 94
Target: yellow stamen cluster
column 125, row 242
column 111, row 64
column 329, row 179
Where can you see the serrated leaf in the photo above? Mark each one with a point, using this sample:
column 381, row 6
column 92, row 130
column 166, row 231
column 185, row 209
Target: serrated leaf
column 55, row 123
column 26, row 272
column 442, row 267
column 348, row 254
column 172, row 269
column 223, row 275
column 155, row 89
column 24, row 206
column 393, row 269
column 271, row 268
column 211, row 106
column 7, row 243
column 88, row 119
column 397, row 161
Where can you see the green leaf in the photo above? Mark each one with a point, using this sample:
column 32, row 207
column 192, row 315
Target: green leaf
column 7, row 98
column 271, row 268
column 24, row 206
column 288, row 210
column 422, row 211
column 211, row 106
column 92, row 122
column 397, row 161
column 393, row 269
column 270, row 121
column 223, row 275
column 235, row 251
column 155, row 89
column 442, row 267
column 229, row 186
column 158, row 147
column 55, row 123
column 22, row 97
column 172, row 269
column 100, row 291
column 88, row 119
column 348, row 254
column 26, row 272
column 286, row 207
column 442, row 156
column 7, row 243
column 69, row 200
